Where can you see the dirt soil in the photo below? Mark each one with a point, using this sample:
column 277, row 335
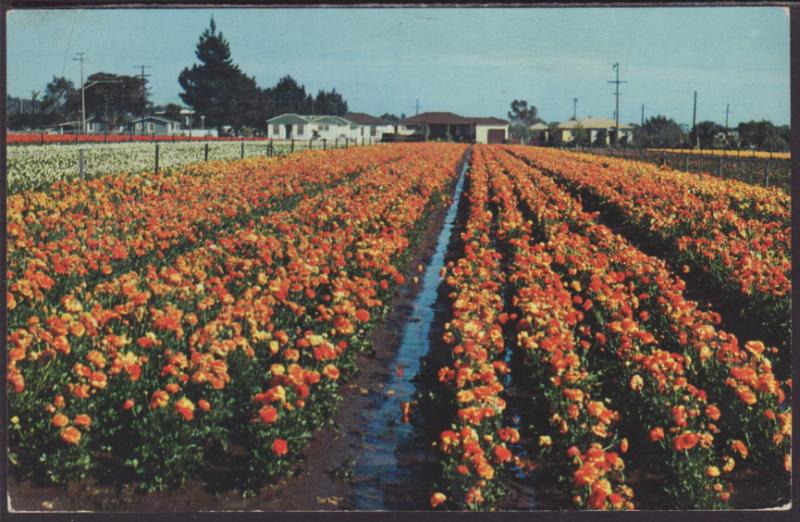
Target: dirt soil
column 321, row 480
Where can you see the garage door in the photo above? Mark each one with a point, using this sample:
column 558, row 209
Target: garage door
column 496, row 136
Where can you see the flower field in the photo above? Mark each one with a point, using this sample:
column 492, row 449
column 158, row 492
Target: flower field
column 222, row 310
column 37, row 166
column 729, row 153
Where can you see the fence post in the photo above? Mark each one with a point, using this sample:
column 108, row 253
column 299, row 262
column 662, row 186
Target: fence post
column 686, row 162
column 205, row 152
column 81, row 164
column 766, row 172
column 292, row 150
column 324, row 143
column 156, row 158
column 310, row 143
column 719, row 170
column 42, row 138
column 242, row 150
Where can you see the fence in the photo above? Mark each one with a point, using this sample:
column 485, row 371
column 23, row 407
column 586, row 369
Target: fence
column 754, row 170
column 34, row 167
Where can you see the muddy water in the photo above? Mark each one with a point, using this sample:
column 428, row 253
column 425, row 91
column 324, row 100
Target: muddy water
column 379, row 471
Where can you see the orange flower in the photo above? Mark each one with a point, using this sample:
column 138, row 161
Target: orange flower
column 740, row 448
column 280, row 447
column 82, row 420
column 185, row 407
column 437, row 499
column 268, row 414
column 204, row 405
column 685, row 441
column 713, row 412
column 59, row 420
column 331, row 372
column 159, row 399
column 502, row 454
column 656, row 434
column 362, row 315
column 128, row 404
column 71, row 435
column 623, row 445
column 746, row 394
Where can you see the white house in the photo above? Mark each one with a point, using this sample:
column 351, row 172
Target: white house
column 601, row 131
column 368, row 127
column 353, row 125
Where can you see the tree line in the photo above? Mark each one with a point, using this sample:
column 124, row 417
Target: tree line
column 663, row 132
column 215, row 88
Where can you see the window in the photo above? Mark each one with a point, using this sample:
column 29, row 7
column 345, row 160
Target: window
column 373, row 131
column 276, row 129
column 151, row 127
column 300, row 129
column 327, row 127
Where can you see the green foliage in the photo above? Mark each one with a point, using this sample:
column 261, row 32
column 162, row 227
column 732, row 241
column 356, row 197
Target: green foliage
column 660, row 131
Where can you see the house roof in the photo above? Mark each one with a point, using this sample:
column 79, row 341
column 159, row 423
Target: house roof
column 486, row 120
column 449, row 118
column 288, row 119
column 538, row 126
column 436, row 118
column 592, row 123
column 151, row 118
column 363, row 118
column 335, row 120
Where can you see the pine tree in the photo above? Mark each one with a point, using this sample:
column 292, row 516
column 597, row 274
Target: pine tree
column 216, row 88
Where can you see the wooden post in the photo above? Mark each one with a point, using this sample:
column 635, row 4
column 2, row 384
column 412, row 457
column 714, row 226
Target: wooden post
column 719, row 169
column 81, row 164
column 686, row 162
column 242, row 150
column 205, row 152
column 156, row 158
column 324, row 143
column 311, row 143
column 292, row 146
column 42, row 138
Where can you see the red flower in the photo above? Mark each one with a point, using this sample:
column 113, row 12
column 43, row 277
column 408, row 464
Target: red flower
column 280, row 447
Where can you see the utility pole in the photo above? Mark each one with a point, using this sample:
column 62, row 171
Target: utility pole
column 727, row 111
column 642, row 124
column 696, row 138
column 574, row 108
column 144, row 92
column 616, row 93
column 417, row 105
column 80, row 58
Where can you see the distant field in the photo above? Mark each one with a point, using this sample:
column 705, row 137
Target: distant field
column 729, row 153
column 36, row 166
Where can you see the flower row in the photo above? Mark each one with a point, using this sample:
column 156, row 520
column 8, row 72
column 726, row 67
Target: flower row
column 239, row 341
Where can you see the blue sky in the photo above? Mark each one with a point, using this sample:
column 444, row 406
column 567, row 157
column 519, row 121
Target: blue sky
column 469, row 61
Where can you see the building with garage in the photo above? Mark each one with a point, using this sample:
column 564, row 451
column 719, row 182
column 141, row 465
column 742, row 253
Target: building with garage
column 597, row 131
column 539, row 134
column 448, row 126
